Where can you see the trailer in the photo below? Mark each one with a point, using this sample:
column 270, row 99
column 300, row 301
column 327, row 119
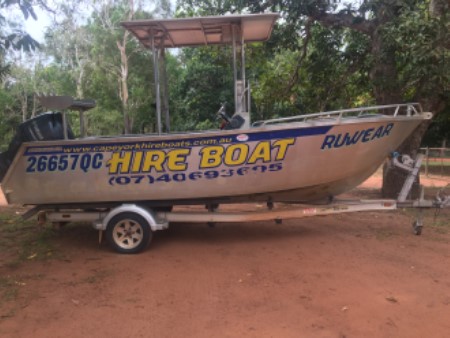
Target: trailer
column 129, row 226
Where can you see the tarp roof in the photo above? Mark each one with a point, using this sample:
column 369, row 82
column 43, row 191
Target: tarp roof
column 210, row 30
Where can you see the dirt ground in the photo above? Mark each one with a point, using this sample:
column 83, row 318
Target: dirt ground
column 352, row 275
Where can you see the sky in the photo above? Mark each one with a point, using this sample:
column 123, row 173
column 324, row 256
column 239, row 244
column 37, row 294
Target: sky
column 36, row 28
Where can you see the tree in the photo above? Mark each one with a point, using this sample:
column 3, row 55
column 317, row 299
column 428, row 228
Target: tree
column 69, row 43
column 204, row 82
column 12, row 35
column 406, row 54
column 13, row 38
column 107, row 32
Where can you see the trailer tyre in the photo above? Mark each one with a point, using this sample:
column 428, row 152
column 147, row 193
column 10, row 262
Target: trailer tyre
column 128, row 233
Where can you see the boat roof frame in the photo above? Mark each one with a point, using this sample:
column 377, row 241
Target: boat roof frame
column 202, row 31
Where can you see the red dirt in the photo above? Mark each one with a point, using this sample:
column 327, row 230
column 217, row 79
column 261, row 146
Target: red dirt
column 353, row 275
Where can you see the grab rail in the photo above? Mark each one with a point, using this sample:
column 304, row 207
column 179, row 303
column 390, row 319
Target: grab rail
column 410, row 109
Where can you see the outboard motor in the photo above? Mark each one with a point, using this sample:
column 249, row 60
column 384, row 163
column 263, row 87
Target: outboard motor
column 45, row 127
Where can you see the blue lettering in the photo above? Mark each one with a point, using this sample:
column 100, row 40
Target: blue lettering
column 347, row 139
column 356, row 137
column 52, row 163
column 328, row 142
column 97, row 161
column 367, row 133
column 378, row 133
column 85, row 162
column 337, row 143
column 32, row 164
column 388, row 129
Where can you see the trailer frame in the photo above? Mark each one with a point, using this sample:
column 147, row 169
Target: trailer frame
column 126, row 220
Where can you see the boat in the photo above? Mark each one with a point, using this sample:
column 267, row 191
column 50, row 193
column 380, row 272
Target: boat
column 302, row 158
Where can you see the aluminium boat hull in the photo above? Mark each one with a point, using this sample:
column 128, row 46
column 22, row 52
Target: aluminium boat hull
column 297, row 161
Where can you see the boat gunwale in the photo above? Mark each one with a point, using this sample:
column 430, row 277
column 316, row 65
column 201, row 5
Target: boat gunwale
column 412, row 109
column 254, row 129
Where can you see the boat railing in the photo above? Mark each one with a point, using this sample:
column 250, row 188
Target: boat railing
column 404, row 109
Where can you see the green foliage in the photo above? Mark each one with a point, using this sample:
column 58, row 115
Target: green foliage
column 374, row 51
column 422, row 51
column 298, row 70
column 324, row 78
column 54, row 79
column 308, row 65
column 104, row 122
column 439, row 130
column 8, row 120
column 205, row 81
column 108, row 69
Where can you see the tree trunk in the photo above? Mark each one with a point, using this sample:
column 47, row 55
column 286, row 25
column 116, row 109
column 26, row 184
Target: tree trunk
column 33, row 111
column 386, row 90
column 80, row 94
column 122, row 46
column 384, row 74
column 24, row 105
column 124, row 83
column 438, row 7
column 393, row 178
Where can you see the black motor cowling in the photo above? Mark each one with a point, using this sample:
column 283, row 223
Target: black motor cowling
column 45, row 127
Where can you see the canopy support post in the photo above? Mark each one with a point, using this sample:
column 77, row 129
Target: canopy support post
column 65, row 125
column 155, row 53
column 244, row 89
column 240, row 89
column 165, row 90
column 82, row 125
column 233, row 34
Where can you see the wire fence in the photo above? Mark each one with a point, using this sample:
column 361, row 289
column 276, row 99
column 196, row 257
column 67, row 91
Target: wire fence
column 436, row 162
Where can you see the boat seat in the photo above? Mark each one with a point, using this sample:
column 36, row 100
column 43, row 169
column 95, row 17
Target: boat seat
column 239, row 121
column 236, row 122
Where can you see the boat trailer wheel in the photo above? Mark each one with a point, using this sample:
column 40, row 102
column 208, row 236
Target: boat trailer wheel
column 128, row 233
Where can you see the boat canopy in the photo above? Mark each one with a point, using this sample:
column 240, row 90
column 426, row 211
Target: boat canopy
column 209, row 30
column 235, row 30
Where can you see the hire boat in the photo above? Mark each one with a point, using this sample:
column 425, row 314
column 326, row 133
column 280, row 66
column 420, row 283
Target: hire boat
column 127, row 185
column 300, row 158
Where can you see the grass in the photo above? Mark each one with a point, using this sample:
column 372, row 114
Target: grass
column 24, row 240
column 97, row 276
column 94, row 277
column 437, row 220
column 437, row 166
column 437, row 163
column 383, row 234
column 440, row 221
column 20, row 242
column 10, row 290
